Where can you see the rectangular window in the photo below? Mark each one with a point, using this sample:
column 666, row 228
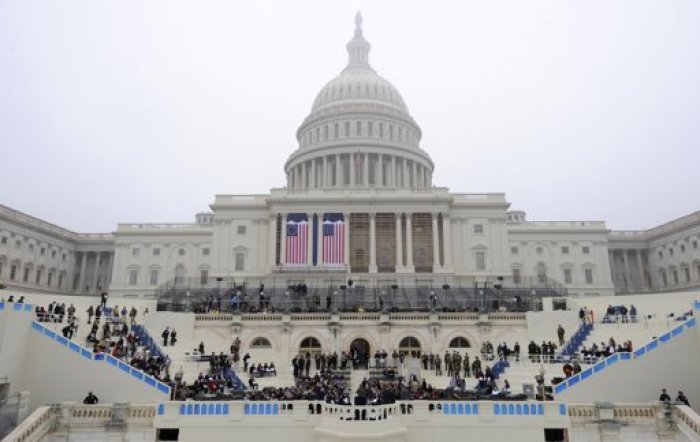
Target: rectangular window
column 133, row 277
column 661, row 254
column 675, row 277
column 480, row 261
column 13, row 272
column 586, row 250
column 63, row 258
column 31, row 249
column 135, row 252
column 565, row 250
column 18, row 244
column 38, row 277
column 670, row 251
column 695, row 245
column 240, row 262
column 478, row 228
column 50, row 279
column 205, row 251
column 514, row 250
column 3, row 240
column 42, row 251
column 588, row 275
column 682, row 248
column 26, row 275
column 53, row 253
column 516, row 276
column 664, row 278
column 203, row 276
column 687, row 274
column 154, row 277
column 567, row 276
column 156, row 251
column 60, row 281
column 241, row 230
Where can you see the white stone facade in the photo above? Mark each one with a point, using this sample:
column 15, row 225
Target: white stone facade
column 359, row 157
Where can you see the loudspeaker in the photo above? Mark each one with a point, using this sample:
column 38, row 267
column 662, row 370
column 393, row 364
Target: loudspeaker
column 342, row 287
column 446, row 286
column 394, row 286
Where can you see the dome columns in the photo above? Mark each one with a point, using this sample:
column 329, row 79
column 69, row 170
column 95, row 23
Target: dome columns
column 359, row 169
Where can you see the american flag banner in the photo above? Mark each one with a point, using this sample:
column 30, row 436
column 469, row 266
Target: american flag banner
column 333, row 239
column 297, row 239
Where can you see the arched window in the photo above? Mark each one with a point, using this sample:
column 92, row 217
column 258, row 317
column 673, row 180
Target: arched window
column 370, row 129
column 260, row 343
column 337, row 130
column 359, row 128
column 309, row 344
column 409, row 345
column 347, row 128
column 460, row 342
column 381, row 130
column 325, row 133
column 391, row 132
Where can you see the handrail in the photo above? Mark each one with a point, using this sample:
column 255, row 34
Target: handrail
column 689, row 418
column 34, row 427
column 624, row 356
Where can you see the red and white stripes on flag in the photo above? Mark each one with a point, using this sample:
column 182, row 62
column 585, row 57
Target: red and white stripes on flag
column 297, row 242
column 333, row 242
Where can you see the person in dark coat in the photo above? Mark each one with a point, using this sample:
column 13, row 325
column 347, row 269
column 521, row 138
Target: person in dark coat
column 165, row 335
column 90, row 399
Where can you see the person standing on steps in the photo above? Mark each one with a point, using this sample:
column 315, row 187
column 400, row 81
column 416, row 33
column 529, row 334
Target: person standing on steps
column 560, row 333
column 165, row 335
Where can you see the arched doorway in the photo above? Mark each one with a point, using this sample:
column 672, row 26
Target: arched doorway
column 360, row 353
column 409, row 346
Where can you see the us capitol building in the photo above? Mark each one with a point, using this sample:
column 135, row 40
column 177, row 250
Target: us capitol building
column 359, row 203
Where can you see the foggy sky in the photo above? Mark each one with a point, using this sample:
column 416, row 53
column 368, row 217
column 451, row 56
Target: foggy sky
column 142, row 111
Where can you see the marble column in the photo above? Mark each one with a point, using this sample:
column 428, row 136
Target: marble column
column 312, row 175
column 447, row 239
column 409, row 241
column 353, row 170
column 640, row 269
column 399, row 246
column 346, row 217
column 436, row 243
column 324, row 173
column 365, row 171
column 414, row 182
column 319, row 241
column 110, row 271
column 81, row 283
column 405, row 181
column 95, row 277
column 628, row 275
column 272, row 241
column 372, row 243
column 283, row 240
column 338, row 178
column 310, row 240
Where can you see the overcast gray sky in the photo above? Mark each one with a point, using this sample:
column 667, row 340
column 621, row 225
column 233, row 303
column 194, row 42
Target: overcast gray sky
column 142, row 111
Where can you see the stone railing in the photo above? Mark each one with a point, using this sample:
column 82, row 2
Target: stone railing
column 213, row 317
column 34, row 427
column 462, row 316
column 689, row 419
column 507, row 316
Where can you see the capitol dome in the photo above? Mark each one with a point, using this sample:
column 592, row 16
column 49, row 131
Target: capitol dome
column 359, row 133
